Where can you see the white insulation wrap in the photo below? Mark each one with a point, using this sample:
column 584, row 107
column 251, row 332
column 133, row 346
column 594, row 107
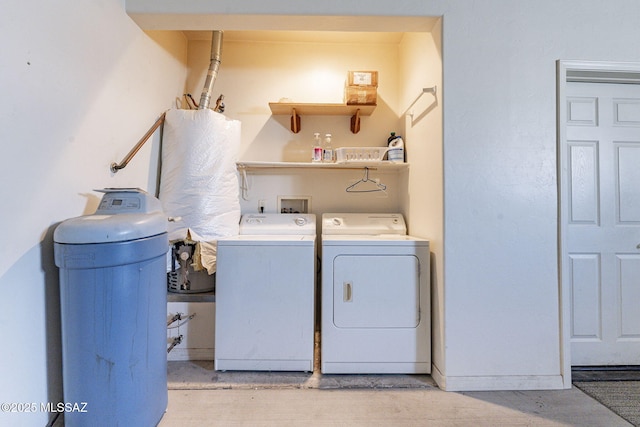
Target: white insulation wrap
column 198, row 181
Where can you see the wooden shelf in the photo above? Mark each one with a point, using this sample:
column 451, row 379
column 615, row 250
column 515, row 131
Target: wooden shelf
column 284, row 108
column 297, row 109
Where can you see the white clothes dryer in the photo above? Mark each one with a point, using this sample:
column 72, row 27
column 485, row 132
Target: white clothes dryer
column 265, row 294
column 375, row 315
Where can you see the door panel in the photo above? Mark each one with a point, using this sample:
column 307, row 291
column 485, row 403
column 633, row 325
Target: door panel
column 628, row 180
column 603, row 229
column 586, row 321
column 626, row 112
column 583, row 183
column 629, row 268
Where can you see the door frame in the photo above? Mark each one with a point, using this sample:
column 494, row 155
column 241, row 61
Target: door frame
column 589, row 72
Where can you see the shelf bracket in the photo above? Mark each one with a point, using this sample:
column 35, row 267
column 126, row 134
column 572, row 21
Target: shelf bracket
column 355, row 122
column 295, row 121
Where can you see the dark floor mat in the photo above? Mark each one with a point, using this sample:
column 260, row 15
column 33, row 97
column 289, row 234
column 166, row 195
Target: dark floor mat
column 622, row 397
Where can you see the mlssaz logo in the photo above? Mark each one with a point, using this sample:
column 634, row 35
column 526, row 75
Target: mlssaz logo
column 63, row 407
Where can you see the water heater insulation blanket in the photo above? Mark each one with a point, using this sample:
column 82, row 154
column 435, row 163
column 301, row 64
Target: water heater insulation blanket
column 198, row 180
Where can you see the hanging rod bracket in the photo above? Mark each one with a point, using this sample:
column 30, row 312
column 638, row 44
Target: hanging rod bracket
column 432, row 90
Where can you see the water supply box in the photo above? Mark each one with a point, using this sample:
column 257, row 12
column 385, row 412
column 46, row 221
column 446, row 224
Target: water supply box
column 362, row 78
column 361, row 95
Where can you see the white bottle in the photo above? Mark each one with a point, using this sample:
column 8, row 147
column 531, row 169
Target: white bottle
column 316, row 149
column 327, row 150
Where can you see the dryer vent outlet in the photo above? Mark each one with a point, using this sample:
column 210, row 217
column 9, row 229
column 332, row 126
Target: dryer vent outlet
column 294, row 204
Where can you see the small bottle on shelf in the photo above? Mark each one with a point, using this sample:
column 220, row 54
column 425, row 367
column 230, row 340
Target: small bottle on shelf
column 316, row 149
column 327, row 149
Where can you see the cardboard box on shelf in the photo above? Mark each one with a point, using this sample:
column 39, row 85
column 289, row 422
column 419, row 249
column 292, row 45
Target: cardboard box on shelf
column 361, row 95
column 362, row 78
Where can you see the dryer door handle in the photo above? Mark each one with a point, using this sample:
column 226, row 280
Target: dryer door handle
column 347, row 292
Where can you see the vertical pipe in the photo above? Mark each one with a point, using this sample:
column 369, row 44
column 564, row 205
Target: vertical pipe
column 214, row 65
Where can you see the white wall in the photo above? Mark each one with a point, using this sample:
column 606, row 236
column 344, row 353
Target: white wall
column 500, row 283
column 81, row 84
column 501, row 260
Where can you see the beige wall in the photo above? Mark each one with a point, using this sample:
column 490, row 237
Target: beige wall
column 421, row 67
column 262, row 67
column 82, row 83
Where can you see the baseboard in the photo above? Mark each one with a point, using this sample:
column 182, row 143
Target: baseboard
column 496, row 382
column 182, row 354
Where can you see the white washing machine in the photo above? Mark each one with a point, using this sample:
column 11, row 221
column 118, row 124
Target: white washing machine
column 265, row 290
column 375, row 296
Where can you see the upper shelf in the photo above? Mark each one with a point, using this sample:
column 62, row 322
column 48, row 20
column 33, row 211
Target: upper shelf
column 299, row 109
column 279, row 108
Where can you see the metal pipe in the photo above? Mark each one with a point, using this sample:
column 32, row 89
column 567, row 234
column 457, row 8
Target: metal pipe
column 186, row 320
column 212, row 74
column 175, row 318
column 115, row 167
column 177, row 340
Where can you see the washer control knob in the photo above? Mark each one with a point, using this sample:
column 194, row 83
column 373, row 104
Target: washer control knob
column 301, row 221
column 336, row 221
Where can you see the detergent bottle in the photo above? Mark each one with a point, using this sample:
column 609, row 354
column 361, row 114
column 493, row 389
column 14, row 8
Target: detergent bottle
column 396, row 148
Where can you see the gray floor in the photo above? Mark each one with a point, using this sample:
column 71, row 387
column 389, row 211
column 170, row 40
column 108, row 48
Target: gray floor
column 200, row 396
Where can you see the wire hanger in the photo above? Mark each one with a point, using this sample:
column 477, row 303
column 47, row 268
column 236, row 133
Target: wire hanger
column 377, row 185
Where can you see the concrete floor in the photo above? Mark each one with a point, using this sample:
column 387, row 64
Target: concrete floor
column 383, row 407
column 199, row 395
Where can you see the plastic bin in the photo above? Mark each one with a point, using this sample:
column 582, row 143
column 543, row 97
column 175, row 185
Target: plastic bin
column 113, row 305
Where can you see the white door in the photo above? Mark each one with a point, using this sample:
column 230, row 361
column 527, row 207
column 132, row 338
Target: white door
column 602, row 175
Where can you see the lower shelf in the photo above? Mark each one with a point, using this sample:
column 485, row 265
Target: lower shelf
column 308, row 165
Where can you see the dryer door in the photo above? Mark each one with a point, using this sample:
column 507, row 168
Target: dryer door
column 376, row 291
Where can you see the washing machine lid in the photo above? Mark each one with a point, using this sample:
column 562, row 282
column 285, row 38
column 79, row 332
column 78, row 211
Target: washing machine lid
column 278, row 224
column 363, row 224
column 123, row 214
column 280, row 240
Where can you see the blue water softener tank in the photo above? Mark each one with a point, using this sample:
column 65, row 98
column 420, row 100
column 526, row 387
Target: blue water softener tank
column 113, row 303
